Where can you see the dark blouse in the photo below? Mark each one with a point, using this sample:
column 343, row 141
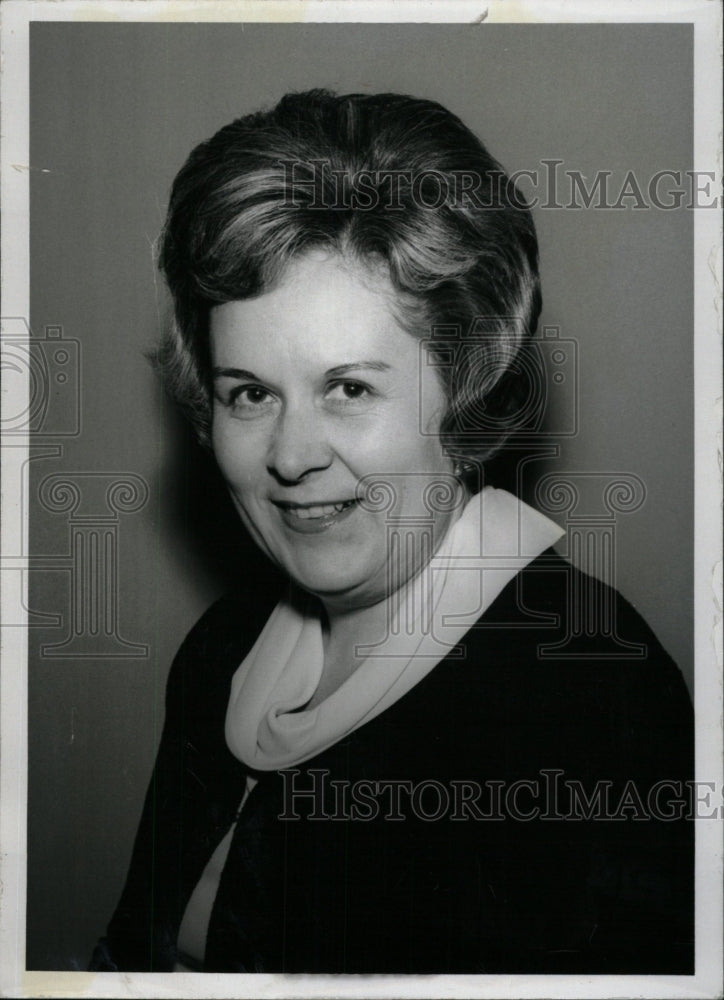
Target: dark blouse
column 524, row 808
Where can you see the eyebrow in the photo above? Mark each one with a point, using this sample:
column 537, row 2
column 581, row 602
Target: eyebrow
column 242, row 373
column 234, row 373
column 373, row 366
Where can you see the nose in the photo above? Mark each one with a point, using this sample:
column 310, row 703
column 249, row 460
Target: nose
column 298, row 446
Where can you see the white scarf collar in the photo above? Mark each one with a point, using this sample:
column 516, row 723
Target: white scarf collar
column 266, row 728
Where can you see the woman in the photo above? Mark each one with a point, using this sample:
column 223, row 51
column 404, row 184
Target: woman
column 375, row 766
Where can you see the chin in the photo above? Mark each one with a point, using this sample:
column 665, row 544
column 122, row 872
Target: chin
column 328, row 584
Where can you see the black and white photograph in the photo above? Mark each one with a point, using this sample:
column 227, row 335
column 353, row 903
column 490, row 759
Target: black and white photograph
column 361, row 555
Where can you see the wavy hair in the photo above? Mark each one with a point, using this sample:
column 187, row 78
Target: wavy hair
column 382, row 178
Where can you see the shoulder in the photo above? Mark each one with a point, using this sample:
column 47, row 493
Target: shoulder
column 568, row 665
column 201, row 672
column 570, row 615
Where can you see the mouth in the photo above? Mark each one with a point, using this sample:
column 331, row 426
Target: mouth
column 314, row 517
column 307, row 511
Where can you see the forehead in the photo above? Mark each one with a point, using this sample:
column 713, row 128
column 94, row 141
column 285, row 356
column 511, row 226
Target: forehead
column 323, row 305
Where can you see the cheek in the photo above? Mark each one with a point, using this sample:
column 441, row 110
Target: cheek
column 422, row 453
column 397, row 448
column 240, row 460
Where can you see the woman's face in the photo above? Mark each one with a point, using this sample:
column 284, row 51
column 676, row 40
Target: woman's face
column 316, row 386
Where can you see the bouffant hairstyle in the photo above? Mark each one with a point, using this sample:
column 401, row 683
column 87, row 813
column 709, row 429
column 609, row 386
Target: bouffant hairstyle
column 387, row 180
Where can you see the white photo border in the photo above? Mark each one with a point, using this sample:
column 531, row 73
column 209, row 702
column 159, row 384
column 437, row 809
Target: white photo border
column 706, row 18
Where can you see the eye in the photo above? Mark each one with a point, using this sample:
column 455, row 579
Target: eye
column 250, row 394
column 349, row 391
column 249, row 399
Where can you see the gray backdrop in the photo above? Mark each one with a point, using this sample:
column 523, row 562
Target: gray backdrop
column 130, row 531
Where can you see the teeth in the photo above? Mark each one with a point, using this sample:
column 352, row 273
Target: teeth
column 320, row 510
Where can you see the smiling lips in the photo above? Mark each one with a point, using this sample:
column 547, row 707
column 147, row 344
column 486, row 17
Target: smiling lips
column 307, row 512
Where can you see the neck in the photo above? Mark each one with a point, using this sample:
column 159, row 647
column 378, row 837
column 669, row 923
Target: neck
column 343, row 629
column 343, row 632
